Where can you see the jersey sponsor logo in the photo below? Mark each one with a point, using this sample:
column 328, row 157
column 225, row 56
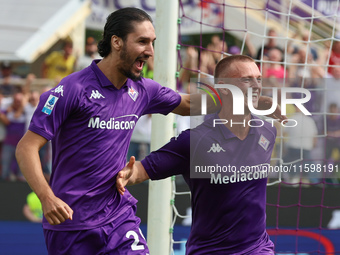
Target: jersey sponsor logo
column 243, row 174
column 59, row 89
column 113, row 123
column 215, row 147
column 96, row 95
column 49, row 105
column 133, row 93
column 264, row 142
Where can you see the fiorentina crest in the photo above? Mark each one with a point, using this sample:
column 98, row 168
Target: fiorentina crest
column 133, row 93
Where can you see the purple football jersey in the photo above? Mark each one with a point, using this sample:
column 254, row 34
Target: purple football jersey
column 90, row 123
column 228, row 209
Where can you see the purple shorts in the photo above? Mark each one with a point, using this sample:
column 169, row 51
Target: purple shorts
column 122, row 236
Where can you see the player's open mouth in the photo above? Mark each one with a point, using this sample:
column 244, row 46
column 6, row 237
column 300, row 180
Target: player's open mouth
column 255, row 96
column 139, row 64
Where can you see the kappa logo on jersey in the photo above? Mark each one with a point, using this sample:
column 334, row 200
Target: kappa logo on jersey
column 215, row 147
column 96, row 95
column 133, row 93
column 59, row 89
column 49, row 105
column 264, row 142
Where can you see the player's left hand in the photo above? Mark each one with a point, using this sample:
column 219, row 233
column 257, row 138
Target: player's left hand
column 124, row 175
column 265, row 103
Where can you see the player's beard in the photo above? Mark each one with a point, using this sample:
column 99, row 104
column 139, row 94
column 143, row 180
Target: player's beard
column 127, row 69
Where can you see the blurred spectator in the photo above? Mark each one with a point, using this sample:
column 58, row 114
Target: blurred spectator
column 32, row 210
column 91, row 53
column 30, row 107
column 189, row 69
column 15, row 116
column 273, row 72
column 15, row 120
column 274, row 68
column 303, row 66
column 271, row 43
column 302, row 40
column 313, row 51
column 299, row 142
column 59, row 64
column 335, row 56
column 216, row 50
column 303, row 72
column 10, row 80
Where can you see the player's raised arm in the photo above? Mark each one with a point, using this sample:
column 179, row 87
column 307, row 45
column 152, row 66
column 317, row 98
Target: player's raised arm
column 133, row 173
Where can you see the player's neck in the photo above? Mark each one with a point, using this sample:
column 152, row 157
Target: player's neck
column 110, row 70
column 237, row 124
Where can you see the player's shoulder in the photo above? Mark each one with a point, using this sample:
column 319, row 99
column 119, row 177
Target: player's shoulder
column 203, row 132
column 70, row 89
column 183, row 137
column 79, row 81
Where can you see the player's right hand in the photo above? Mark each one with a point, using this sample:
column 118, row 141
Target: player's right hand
column 124, row 175
column 55, row 210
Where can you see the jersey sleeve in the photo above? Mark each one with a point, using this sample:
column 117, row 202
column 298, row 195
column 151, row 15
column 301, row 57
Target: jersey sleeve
column 172, row 159
column 53, row 109
column 161, row 99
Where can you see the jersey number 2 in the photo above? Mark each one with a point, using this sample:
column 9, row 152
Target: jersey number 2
column 134, row 246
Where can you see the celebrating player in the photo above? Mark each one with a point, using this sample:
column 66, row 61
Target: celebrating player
column 228, row 208
column 90, row 117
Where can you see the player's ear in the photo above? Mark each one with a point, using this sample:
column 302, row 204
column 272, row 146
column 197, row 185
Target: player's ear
column 223, row 91
column 116, row 42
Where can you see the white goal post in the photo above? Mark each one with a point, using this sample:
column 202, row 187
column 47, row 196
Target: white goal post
column 159, row 207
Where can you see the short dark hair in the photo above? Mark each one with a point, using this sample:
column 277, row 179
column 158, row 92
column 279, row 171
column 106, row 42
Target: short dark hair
column 120, row 23
column 224, row 64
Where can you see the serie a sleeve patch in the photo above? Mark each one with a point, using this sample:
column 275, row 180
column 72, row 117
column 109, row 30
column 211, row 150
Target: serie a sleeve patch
column 49, row 105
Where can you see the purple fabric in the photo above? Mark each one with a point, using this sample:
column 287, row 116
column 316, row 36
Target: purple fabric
column 226, row 218
column 117, row 237
column 90, row 124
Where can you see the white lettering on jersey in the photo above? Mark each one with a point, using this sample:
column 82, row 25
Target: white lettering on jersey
column 112, row 123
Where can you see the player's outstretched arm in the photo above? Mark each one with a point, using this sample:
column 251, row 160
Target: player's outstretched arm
column 191, row 105
column 55, row 210
column 133, row 173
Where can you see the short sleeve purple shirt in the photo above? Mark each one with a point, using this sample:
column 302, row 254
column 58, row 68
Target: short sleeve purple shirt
column 90, row 123
column 228, row 215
